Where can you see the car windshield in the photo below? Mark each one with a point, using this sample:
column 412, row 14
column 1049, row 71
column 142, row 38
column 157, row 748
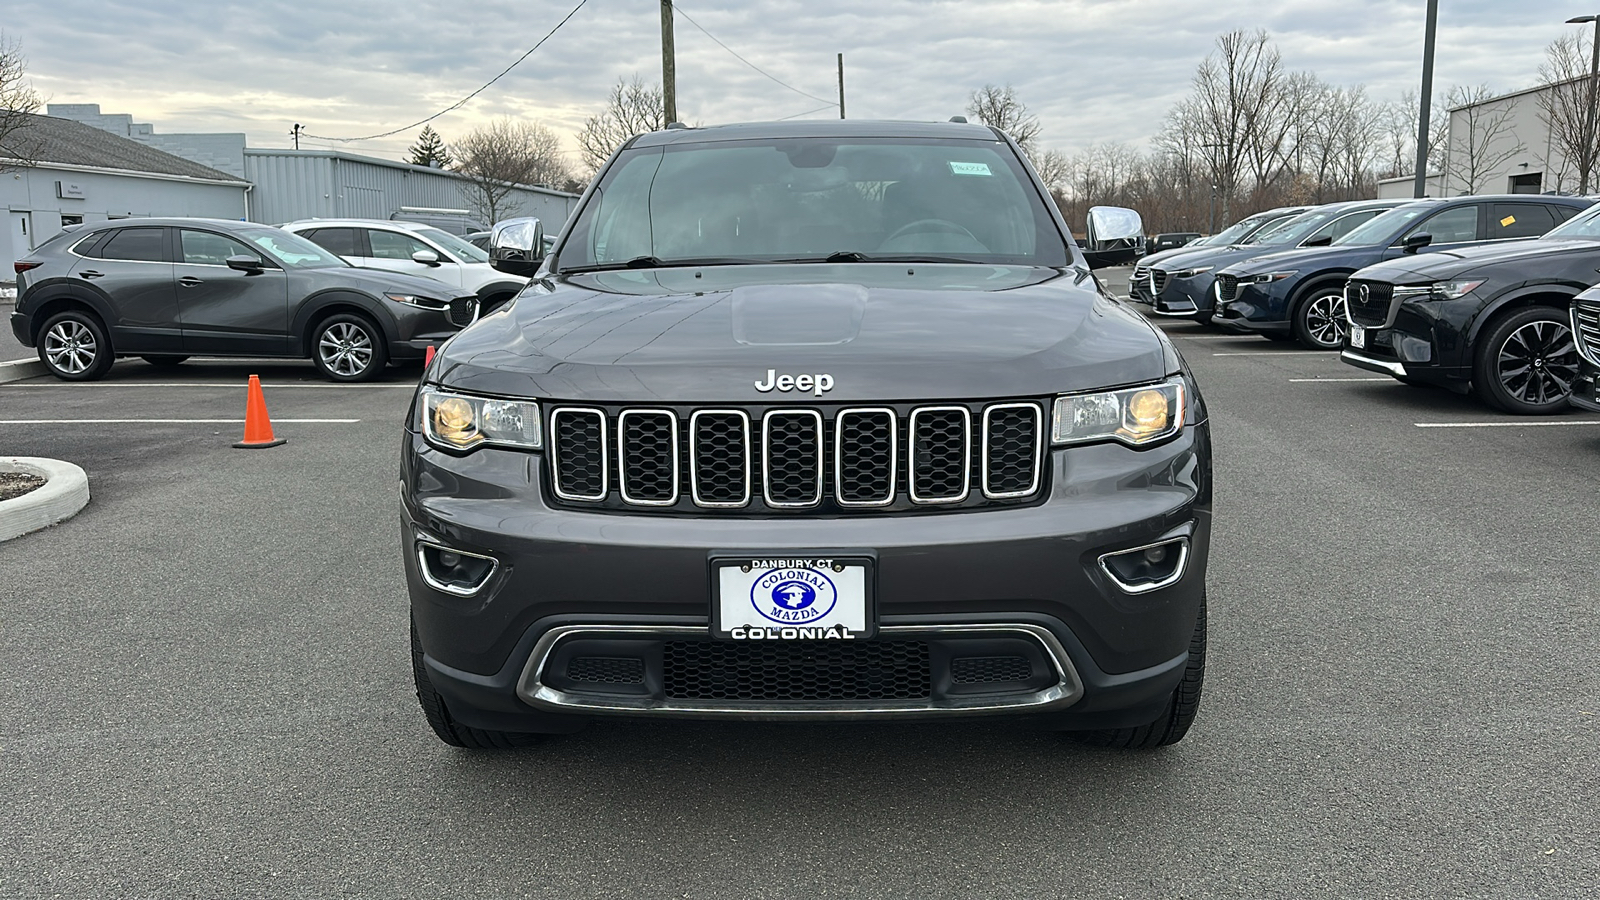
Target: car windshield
column 815, row 200
column 1236, row 231
column 1266, row 229
column 292, row 250
column 1296, row 229
column 1584, row 226
column 1381, row 229
column 458, row 248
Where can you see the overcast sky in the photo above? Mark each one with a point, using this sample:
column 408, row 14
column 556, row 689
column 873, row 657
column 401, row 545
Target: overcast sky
column 1094, row 70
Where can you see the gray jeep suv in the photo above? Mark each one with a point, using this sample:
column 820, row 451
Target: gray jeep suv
column 808, row 421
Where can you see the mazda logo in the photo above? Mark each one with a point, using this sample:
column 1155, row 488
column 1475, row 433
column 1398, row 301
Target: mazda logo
column 1364, row 293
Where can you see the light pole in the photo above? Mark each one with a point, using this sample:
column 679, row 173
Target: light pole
column 1588, row 121
column 1419, row 187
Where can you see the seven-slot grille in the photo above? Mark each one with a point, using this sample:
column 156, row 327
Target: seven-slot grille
column 1586, row 328
column 1368, row 302
column 463, row 311
column 783, row 459
column 1227, row 287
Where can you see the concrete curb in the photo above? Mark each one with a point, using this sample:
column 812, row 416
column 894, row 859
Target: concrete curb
column 65, row 492
column 18, row 369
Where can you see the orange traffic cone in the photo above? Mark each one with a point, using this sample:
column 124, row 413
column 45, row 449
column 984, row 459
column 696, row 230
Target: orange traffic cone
column 257, row 424
column 428, row 359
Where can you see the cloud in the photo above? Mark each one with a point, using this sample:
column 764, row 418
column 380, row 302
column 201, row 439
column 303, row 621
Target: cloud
column 1094, row 70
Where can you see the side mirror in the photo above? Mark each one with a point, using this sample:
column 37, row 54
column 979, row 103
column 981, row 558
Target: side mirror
column 1113, row 237
column 426, row 257
column 1321, row 240
column 516, row 246
column 1415, row 242
column 246, row 264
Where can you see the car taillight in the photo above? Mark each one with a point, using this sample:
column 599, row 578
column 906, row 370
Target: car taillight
column 21, row 266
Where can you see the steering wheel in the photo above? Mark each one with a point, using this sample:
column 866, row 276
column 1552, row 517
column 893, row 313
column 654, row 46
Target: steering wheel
column 932, row 226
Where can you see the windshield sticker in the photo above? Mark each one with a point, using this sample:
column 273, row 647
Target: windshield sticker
column 962, row 168
column 1508, row 221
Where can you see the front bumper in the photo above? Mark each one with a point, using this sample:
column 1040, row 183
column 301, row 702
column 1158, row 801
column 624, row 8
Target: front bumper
column 961, row 581
column 1253, row 310
column 1586, row 387
column 1185, row 298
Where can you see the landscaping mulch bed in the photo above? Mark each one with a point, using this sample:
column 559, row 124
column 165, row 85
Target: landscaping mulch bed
column 15, row 484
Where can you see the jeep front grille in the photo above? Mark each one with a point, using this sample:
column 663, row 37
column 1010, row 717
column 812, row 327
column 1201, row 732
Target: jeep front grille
column 1586, row 328
column 1227, row 288
column 830, row 459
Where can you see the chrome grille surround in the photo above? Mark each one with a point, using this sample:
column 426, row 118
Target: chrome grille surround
column 560, row 479
column 1227, row 287
column 841, row 452
column 799, row 469
column 629, row 469
column 1158, row 280
column 987, row 475
column 701, row 462
column 1586, row 328
column 921, row 463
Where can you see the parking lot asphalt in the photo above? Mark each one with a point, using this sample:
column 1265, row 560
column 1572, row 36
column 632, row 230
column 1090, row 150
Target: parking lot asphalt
column 207, row 691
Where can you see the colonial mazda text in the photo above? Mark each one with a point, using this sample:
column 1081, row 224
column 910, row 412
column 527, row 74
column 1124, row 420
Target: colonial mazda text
column 810, row 421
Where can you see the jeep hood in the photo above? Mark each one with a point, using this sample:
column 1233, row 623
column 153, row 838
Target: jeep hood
column 883, row 332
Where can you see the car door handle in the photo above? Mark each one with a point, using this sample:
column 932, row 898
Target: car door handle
column 190, row 281
column 90, row 273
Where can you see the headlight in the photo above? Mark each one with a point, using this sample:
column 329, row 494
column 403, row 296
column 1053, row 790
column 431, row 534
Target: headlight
column 1452, row 290
column 1134, row 416
column 462, row 422
column 419, row 300
column 1269, row 277
column 1190, row 273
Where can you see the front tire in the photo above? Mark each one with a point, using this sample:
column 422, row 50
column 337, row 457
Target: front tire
column 1170, row 727
column 449, row 730
column 1527, row 362
column 74, row 346
column 349, row 348
column 1319, row 319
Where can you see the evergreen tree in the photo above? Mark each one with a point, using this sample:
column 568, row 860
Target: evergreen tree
column 429, row 150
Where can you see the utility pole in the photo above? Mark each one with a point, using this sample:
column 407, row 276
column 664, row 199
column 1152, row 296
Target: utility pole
column 295, row 133
column 1586, row 166
column 841, row 85
column 1420, row 188
column 669, row 66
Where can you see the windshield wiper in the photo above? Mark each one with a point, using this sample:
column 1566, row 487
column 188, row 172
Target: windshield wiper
column 854, row 256
column 656, row 262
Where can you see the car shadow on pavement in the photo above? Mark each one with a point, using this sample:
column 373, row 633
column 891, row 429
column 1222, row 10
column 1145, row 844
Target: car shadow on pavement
column 240, row 370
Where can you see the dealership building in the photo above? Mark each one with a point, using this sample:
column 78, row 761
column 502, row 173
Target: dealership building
column 89, row 166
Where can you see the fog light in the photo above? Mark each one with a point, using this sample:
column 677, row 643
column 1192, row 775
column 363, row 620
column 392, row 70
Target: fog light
column 1155, row 555
column 1141, row 569
column 454, row 571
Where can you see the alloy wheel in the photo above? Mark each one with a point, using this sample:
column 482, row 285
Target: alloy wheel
column 71, row 347
column 1538, row 362
column 1325, row 319
column 345, row 349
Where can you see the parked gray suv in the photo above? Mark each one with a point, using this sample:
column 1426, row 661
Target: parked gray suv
column 169, row 289
column 800, row 421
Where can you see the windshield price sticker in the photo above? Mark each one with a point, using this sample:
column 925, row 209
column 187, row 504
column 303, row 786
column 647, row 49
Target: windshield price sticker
column 807, row 599
column 967, row 168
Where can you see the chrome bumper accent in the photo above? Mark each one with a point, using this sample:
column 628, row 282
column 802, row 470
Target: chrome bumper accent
column 1376, row 365
column 1066, row 691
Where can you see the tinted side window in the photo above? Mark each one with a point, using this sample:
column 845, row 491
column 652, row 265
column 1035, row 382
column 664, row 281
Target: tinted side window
column 338, row 241
column 90, row 246
column 391, row 245
column 1514, row 220
column 1343, row 225
column 203, row 248
column 1563, row 213
column 140, row 244
column 1457, row 224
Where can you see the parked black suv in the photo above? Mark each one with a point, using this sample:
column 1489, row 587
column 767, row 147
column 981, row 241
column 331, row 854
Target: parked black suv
column 811, row 420
column 1139, row 287
column 169, row 289
column 1299, row 294
column 1181, row 287
column 1497, row 318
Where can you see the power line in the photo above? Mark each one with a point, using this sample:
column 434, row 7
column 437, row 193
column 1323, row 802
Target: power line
column 808, row 112
column 463, row 101
column 747, row 62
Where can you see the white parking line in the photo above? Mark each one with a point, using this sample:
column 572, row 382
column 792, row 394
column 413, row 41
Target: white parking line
column 171, row 421
column 1267, row 353
column 1498, row 424
column 1333, row 380
column 201, row 384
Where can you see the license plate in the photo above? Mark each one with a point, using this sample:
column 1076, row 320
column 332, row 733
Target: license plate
column 1358, row 337
column 792, row 598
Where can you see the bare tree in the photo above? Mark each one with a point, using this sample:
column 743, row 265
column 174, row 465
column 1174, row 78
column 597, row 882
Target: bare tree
column 1564, row 107
column 502, row 155
column 999, row 107
column 1483, row 136
column 1054, row 168
column 18, row 103
column 632, row 108
column 1235, row 90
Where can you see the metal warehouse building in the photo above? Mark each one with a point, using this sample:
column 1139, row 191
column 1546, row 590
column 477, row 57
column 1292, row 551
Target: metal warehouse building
column 302, row 184
column 79, row 174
